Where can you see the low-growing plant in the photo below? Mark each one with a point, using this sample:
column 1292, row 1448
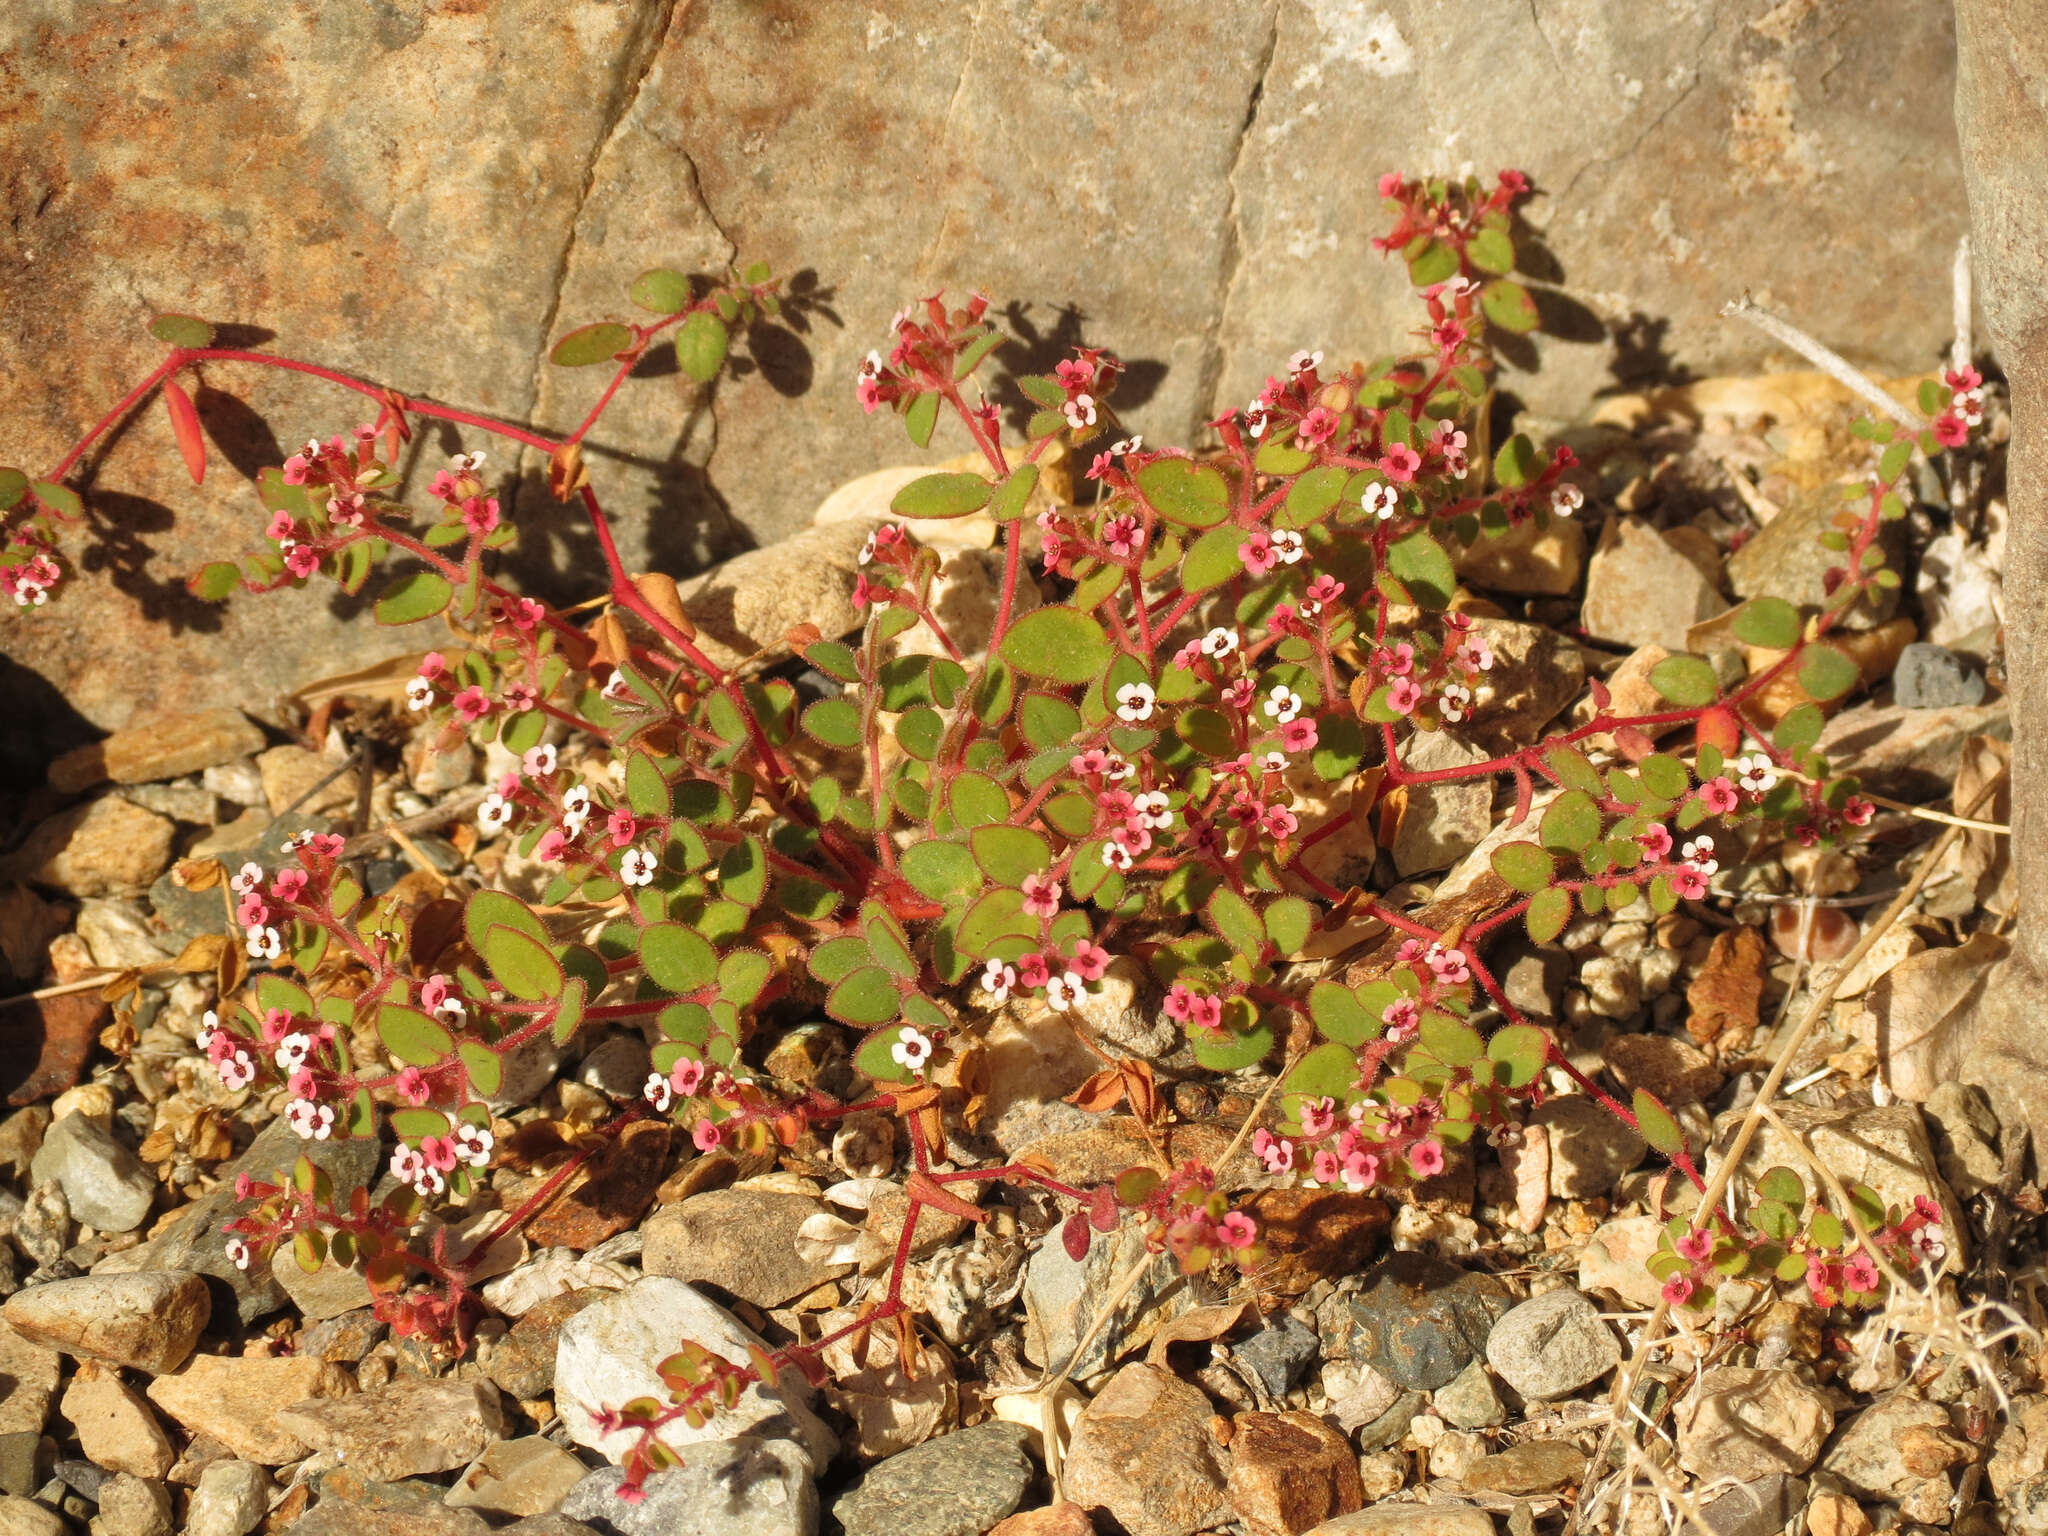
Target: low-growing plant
column 1246, row 644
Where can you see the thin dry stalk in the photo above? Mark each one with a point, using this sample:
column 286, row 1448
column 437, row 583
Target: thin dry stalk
column 1827, row 360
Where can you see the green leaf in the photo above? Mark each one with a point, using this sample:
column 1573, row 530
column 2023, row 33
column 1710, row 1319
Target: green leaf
column 524, row 967
column 1059, row 643
column 485, row 1067
column 1657, row 1127
column 835, row 722
column 1313, row 497
column 976, row 800
column 875, row 1059
column 1212, row 559
column 1340, row 1016
column 414, row 596
column 13, row 486
column 1573, row 771
column 1007, row 854
column 1524, row 866
column 1232, row 1052
column 971, row 355
column 1507, row 304
column 1520, row 1050
column 944, row 871
column 1422, row 566
column 182, row 331
column 700, row 346
column 1289, row 921
column 865, row 995
column 1570, row 823
column 1182, row 491
column 1449, row 1039
column 58, row 499
column 411, row 1037
column 1782, row 1185
column 1237, row 923
column 1687, row 681
column 1433, row 263
column 1340, row 748
column 1826, row 673
column 1328, row 1071
column 1491, row 250
column 216, row 581
column 1516, row 463
column 588, row 344
column 1664, row 776
column 922, row 418
column 1548, row 912
column 1894, row 460
column 1014, row 494
column 1800, row 728
column 1770, row 622
column 662, row 290
column 569, row 1008
column 933, row 496
column 677, row 959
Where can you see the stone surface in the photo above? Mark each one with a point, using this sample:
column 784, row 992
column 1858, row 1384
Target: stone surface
column 1929, row 677
column 1552, row 1345
column 230, row 1499
column 738, row 1487
column 1441, row 823
column 527, row 1476
column 1533, row 1466
column 327, row 1292
column 1061, row 1519
column 1892, row 1446
column 148, row 1321
column 1615, row 1259
column 606, row 1355
column 165, row 748
column 1390, row 1519
column 305, row 783
column 1540, row 561
column 1315, row 1234
column 1761, row 1508
column 133, row 1506
column 1279, row 1354
column 1785, row 558
column 237, row 1400
column 1885, row 1147
column 115, row 1428
column 411, row 1514
column 191, row 1240
column 1589, row 1148
column 1143, row 1453
column 1750, row 1423
column 1061, row 1298
column 109, row 847
column 1536, row 672
column 1469, row 1400
column 1288, row 1471
column 522, row 1363
column 1671, row 1070
column 29, row 1373
column 1640, row 590
column 1909, row 753
column 409, row 1428
column 744, row 1241
column 105, row 1183
column 957, row 1485
column 1421, row 1320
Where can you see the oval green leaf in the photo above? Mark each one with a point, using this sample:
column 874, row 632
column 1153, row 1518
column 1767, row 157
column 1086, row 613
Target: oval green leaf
column 1059, row 643
column 588, row 344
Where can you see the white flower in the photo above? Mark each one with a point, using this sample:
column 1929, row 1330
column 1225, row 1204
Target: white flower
column 299, row 839
column 292, row 1052
column 657, row 1091
column 539, row 761
column 1219, row 642
column 264, row 943
column 409, row 1166
column 1565, row 499
column 1288, row 547
column 616, row 687
column 473, row 1144
column 636, row 867
column 1276, row 762
column 494, row 813
column 1457, row 698
column 450, row 1008
column 1699, row 853
column 1381, row 499
column 1255, row 418
column 247, row 878
column 577, row 801
column 911, row 1049
column 871, row 365
column 1134, row 702
column 209, row 1026
column 1116, row 855
column 1283, row 704
column 1969, row 404
column 1304, row 360
column 1152, row 810
column 997, row 979
column 867, row 550
column 1926, row 1243
column 1756, row 773
column 313, row 1122
column 1127, row 445
column 419, row 693
column 1117, row 770
column 467, row 463
column 1081, row 412
column 237, row 1071
column 1064, row 990
column 238, row 1252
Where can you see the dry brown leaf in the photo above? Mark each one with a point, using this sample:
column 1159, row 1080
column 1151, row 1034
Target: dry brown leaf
column 383, row 680
column 660, row 592
column 1201, row 1325
column 201, row 954
column 1100, row 1094
column 566, row 472
column 1726, row 996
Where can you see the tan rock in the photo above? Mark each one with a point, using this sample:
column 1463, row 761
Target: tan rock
column 149, row 1320
column 1874, row 651
column 743, row 1241
column 1671, row 1070
column 748, row 603
column 412, row 1427
column 1061, row 1519
column 1437, row 1518
column 1746, row 1424
column 238, row 1401
column 115, row 1428
column 108, row 848
column 527, row 1476
column 1836, row 1514
column 29, row 1373
column 168, row 747
column 1538, row 561
column 1289, row 1471
column 1143, row 1452
column 292, row 781
column 1642, row 591
column 1615, row 1259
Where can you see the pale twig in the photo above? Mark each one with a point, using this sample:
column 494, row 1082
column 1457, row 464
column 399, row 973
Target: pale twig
column 1961, row 349
column 1941, row 818
column 1830, row 362
column 432, row 819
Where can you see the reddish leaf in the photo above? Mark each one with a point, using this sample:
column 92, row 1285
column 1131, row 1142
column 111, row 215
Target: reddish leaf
column 185, row 427
column 1720, row 728
column 1076, row 1236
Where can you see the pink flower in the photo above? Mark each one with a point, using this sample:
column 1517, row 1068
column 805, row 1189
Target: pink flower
column 866, row 592
column 1858, row 811
column 1239, row 694
column 1860, row 1273
column 281, row 528
column 1178, row 1001
column 868, row 391
column 1318, row 1117
column 1361, row 1169
column 1655, row 841
column 1123, row 537
column 520, row 697
column 1317, row 427
column 1237, row 1230
column 1090, row 959
column 1678, row 1290
column 276, row 1025
column 1257, row 553
column 411, row 1086
column 472, row 704
column 1032, row 970
column 1951, row 431
column 1719, row 796
column 1325, row 1167
column 1280, row 822
column 253, row 912
column 1403, row 1017
column 1399, row 463
column 1206, row 1013
column 302, row 560
column 1041, row 895
column 686, row 1076
column 432, row 665
column 524, row 612
column 1965, row 377
column 296, row 469
column 706, row 1136
column 1426, row 1159
column 1398, row 660
column 1298, row 735
column 552, row 845
column 440, row 1152
column 1448, row 965
column 1403, row 694
column 1325, row 588
column 1276, row 1152
column 480, row 514
column 1697, row 1246
column 1390, row 184
column 289, row 885
column 1074, row 373
column 1689, row 882
column 620, row 827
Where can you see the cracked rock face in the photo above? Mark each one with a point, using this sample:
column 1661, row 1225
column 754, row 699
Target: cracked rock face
column 426, row 194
